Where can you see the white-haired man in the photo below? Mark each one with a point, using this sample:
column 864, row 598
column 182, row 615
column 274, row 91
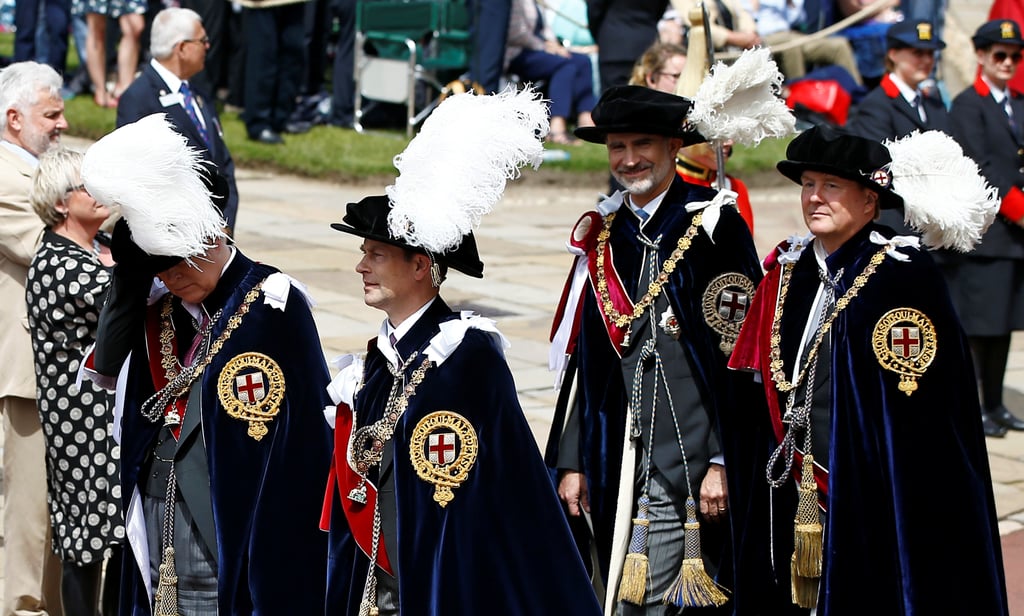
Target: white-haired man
column 178, row 44
column 32, row 121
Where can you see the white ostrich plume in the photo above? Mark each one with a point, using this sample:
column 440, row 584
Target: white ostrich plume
column 741, row 102
column 149, row 170
column 945, row 196
column 455, row 170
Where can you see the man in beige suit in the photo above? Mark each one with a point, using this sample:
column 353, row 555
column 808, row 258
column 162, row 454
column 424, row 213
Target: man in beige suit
column 33, row 118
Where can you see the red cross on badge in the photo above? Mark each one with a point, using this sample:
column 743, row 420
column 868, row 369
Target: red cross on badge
column 441, row 447
column 906, row 341
column 250, row 387
column 733, row 305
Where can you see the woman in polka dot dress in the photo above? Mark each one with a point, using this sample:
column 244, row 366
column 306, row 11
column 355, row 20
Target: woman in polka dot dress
column 67, row 282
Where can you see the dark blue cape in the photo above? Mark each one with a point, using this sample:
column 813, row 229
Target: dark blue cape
column 911, row 525
column 266, row 494
column 501, row 546
column 602, row 394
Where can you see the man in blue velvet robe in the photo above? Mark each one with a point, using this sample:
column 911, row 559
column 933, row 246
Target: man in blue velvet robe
column 438, row 502
column 663, row 279
column 869, row 382
column 224, row 447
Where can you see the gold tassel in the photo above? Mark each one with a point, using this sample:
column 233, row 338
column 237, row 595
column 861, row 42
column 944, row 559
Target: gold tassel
column 804, row 589
column 694, row 587
column 807, row 525
column 167, row 587
column 633, row 585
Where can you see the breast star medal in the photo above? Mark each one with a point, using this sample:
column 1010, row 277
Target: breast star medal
column 904, row 342
column 443, row 449
column 251, row 388
column 726, row 303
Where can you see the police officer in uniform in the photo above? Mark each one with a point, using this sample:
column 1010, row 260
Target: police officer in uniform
column 988, row 285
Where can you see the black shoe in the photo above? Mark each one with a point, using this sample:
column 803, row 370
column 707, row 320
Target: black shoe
column 268, row 136
column 991, row 427
column 1004, row 417
column 297, row 128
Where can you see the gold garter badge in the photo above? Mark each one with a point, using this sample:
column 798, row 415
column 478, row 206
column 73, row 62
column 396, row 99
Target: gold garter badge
column 251, row 388
column 443, row 449
column 726, row 303
column 905, row 343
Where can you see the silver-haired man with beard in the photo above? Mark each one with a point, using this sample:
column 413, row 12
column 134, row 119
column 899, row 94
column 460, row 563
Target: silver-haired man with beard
column 32, row 121
column 661, row 283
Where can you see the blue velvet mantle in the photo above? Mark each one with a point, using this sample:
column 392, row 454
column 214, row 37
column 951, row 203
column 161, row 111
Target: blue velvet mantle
column 266, row 494
column 602, row 394
column 911, row 525
column 502, row 546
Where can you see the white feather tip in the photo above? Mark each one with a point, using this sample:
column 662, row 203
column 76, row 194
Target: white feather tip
column 149, row 170
column 455, row 170
column 741, row 101
column 945, row 196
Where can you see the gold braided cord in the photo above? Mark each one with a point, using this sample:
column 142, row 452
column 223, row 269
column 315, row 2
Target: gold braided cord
column 778, row 376
column 654, row 289
column 179, row 384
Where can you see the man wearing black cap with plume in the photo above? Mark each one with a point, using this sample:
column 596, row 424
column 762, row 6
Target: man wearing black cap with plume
column 438, row 502
column 988, row 285
column 224, row 449
column 664, row 275
column 881, row 499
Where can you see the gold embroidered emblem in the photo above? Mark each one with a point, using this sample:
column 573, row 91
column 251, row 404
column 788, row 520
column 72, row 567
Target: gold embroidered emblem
column 443, row 449
column 924, row 32
column 726, row 302
column 1006, row 30
column 904, row 341
column 251, row 388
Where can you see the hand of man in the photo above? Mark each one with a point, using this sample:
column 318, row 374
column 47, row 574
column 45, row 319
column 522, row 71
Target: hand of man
column 556, row 48
column 714, row 495
column 572, row 488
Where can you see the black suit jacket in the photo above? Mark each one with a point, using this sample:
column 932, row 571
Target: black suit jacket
column 983, row 130
column 623, row 30
column 142, row 98
column 885, row 114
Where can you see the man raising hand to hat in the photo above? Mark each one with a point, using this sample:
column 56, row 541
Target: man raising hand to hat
column 224, row 450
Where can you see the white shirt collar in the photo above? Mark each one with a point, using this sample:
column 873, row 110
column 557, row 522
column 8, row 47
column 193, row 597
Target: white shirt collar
column 21, row 153
column 173, row 81
column 386, row 329
column 906, row 91
column 998, row 94
column 651, row 207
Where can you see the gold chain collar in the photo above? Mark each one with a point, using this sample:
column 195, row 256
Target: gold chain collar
column 778, row 376
column 178, row 384
column 653, row 289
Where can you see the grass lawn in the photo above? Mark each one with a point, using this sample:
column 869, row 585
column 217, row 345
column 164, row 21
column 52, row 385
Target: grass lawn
column 346, row 156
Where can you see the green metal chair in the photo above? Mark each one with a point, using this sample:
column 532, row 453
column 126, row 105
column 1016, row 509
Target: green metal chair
column 402, row 43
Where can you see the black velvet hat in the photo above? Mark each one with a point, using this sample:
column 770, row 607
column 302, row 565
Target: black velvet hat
column 636, row 109
column 847, row 156
column 1004, row 31
column 369, row 219
column 918, row 34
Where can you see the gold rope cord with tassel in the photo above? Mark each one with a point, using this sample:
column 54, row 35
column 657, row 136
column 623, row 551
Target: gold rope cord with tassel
column 694, row 587
column 633, row 586
column 807, row 534
column 167, row 587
